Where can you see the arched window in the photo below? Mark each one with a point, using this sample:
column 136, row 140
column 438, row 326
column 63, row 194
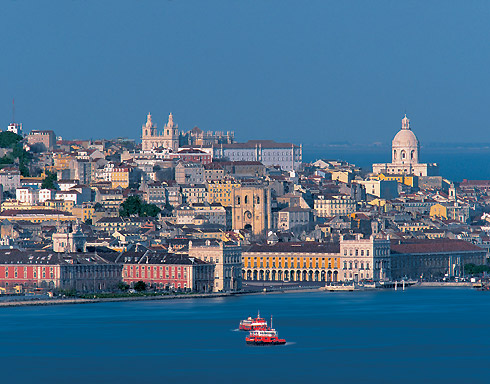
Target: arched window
column 238, row 200
column 403, row 154
column 246, row 199
column 394, row 154
column 258, row 199
column 412, row 155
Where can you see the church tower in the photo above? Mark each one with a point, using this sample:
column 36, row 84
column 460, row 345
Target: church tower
column 171, row 134
column 148, row 135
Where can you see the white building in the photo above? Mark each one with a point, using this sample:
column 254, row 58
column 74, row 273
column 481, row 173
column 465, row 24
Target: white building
column 405, row 156
column 15, row 128
column 286, row 155
column 364, row 259
column 10, row 179
column 27, row 195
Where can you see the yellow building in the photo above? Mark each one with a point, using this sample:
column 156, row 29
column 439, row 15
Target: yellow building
column 83, row 212
column 36, row 215
column 14, row 204
column 120, row 177
column 61, row 161
column 413, row 227
column 64, row 205
column 410, row 180
column 308, row 261
column 220, row 191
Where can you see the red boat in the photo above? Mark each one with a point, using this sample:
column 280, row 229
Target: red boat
column 252, row 324
column 264, row 337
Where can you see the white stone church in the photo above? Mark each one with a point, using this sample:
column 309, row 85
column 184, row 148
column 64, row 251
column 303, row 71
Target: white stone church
column 405, row 150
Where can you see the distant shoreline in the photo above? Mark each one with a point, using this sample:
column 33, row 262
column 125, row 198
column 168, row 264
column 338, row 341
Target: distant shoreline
column 59, row 301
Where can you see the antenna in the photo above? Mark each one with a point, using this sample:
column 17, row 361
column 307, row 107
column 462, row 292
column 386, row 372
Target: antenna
column 271, row 323
column 13, row 110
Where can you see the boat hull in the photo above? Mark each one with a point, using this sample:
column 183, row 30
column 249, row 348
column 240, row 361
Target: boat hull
column 266, row 343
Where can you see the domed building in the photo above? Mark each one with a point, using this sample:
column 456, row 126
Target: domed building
column 405, row 150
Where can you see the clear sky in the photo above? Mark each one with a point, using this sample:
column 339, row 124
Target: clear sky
column 309, row 71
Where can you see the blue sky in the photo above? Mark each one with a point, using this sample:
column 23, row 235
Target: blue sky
column 309, row 71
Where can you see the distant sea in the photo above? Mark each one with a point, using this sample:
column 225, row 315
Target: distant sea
column 455, row 163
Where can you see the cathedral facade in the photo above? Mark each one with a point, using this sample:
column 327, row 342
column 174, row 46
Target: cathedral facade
column 151, row 138
column 405, row 150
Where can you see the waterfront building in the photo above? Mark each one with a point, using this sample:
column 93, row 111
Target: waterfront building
column 365, row 258
column 30, row 269
column 405, row 156
column 152, row 139
column 227, row 258
column 433, row 259
column 168, row 271
column 307, row 261
column 288, row 156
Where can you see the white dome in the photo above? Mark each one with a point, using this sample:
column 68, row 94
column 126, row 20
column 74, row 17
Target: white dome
column 405, row 138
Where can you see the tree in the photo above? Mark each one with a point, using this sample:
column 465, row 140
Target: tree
column 9, row 139
column 49, row 180
column 140, row 286
column 134, row 206
column 473, row 269
column 122, row 286
column 149, row 210
column 130, row 207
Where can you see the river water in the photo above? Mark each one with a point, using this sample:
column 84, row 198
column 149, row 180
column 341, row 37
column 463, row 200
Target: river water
column 438, row 335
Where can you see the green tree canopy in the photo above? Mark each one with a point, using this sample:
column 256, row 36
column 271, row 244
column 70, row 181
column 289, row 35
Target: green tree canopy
column 140, row 286
column 9, row 139
column 49, row 180
column 134, row 206
column 473, row 269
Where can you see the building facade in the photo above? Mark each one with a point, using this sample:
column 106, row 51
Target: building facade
column 405, row 156
column 227, row 257
column 365, row 258
column 308, row 261
column 286, row 155
column 151, row 138
column 251, row 209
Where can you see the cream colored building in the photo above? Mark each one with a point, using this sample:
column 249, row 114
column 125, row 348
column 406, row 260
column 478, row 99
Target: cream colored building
column 405, row 156
column 364, row 259
column 152, row 139
column 252, row 209
column 227, row 258
column 334, row 205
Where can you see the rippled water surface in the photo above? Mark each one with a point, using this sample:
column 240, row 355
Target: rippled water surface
column 415, row 336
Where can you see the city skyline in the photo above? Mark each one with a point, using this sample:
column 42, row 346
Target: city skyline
column 317, row 73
